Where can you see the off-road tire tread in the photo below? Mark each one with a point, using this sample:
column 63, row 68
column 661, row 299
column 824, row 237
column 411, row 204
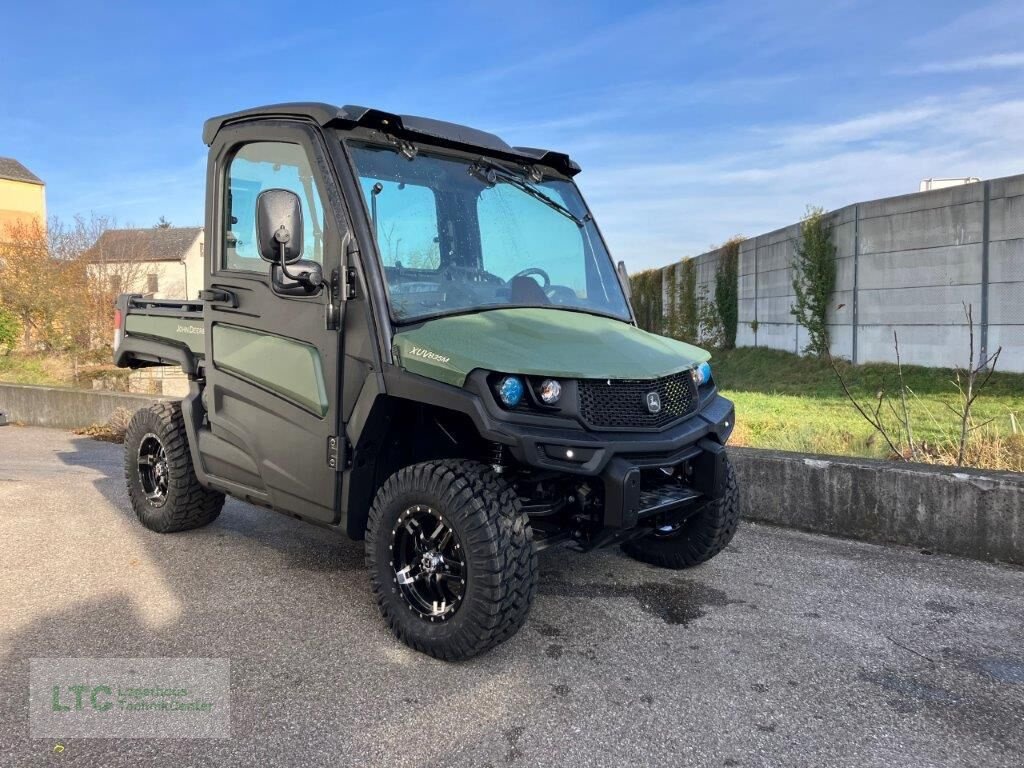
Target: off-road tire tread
column 494, row 530
column 704, row 535
column 189, row 505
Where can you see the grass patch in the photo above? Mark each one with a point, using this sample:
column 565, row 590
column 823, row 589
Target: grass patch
column 63, row 370
column 44, row 370
column 795, row 403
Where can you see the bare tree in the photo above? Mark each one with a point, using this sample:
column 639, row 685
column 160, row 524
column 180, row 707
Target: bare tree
column 905, row 419
column 970, row 386
column 872, row 414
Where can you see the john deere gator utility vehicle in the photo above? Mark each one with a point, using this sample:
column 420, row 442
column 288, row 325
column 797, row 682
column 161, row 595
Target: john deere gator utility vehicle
column 413, row 333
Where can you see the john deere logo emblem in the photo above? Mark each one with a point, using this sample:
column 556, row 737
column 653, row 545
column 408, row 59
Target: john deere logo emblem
column 653, row 402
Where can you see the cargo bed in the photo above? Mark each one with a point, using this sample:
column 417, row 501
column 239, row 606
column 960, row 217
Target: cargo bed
column 158, row 332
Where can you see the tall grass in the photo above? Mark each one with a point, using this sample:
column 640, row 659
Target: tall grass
column 795, row 403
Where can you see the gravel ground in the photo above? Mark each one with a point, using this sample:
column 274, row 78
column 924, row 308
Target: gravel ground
column 788, row 649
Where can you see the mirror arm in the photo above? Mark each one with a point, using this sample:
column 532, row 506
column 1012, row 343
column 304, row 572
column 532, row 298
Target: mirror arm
column 306, row 278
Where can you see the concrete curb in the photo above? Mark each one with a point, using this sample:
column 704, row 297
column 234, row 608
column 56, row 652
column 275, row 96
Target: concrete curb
column 65, row 407
column 974, row 513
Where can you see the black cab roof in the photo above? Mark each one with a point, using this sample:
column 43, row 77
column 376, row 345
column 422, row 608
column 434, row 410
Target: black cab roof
column 402, row 126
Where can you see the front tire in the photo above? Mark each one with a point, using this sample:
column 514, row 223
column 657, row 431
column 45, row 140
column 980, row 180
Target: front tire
column 698, row 538
column 162, row 484
column 451, row 558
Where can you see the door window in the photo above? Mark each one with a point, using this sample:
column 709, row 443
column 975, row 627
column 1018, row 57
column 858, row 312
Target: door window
column 268, row 165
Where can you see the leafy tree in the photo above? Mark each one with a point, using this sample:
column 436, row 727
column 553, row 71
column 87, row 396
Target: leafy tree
column 9, row 329
column 645, row 288
column 162, row 223
column 688, row 322
column 50, row 281
column 814, row 279
column 727, row 278
column 28, row 280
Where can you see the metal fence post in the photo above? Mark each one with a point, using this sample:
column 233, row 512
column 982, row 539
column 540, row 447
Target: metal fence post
column 856, row 277
column 987, row 187
column 757, row 325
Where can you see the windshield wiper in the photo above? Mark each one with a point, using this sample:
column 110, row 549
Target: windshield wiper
column 491, row 174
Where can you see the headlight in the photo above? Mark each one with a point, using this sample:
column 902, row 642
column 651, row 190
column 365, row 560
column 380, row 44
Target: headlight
column 510, row 390
column 549, row 391
column 702, row 373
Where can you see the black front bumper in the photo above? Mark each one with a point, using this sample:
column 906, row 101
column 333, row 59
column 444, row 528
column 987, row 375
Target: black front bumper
column 617, row 458
column 628, row 499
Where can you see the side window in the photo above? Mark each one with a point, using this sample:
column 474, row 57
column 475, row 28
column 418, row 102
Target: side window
column 406, row 224
column 268, row 165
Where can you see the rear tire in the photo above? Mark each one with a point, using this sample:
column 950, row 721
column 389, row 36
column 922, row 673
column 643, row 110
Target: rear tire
column 162, row 484
column 439, row 523
column 697, row 539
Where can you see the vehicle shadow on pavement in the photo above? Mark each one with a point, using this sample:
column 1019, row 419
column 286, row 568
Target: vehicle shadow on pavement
column 301, row 546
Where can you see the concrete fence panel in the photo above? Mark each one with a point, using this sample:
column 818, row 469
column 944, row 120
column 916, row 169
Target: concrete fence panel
column 904, row 264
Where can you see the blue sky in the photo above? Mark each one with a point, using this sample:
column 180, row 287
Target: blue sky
column 692, row 121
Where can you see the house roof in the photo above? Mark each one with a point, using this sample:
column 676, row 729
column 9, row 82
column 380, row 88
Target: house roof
column 120, row 245
column 14, row 171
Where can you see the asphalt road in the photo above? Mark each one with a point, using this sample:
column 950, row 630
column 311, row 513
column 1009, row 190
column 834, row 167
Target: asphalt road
column 788, row 649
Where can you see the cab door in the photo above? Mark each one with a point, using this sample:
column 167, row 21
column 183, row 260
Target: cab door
column 272, row 358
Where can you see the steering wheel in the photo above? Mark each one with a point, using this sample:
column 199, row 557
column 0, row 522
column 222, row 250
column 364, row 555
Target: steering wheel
column 472, row 275
column 561, row 294
column 534, row 271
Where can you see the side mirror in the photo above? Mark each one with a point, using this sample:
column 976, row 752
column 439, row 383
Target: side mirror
column 280, row 237
column 624, row 279
column 279, row 226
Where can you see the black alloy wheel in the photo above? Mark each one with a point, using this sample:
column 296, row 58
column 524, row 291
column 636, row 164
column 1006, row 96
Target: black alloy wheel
column 163, row 488
column 451, row 558
column 153, row 471
column 428, row 562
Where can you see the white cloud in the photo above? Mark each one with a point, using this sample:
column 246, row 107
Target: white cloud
column 862, row 128
column 654, row 212
column 970, row 64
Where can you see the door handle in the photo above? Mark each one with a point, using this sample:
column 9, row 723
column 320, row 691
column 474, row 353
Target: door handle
column 218, row 296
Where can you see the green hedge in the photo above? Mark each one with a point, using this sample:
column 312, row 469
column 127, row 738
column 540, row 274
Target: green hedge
column 727, row 291
column 646, row 288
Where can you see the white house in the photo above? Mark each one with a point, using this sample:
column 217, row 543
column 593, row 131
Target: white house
column 159, row 262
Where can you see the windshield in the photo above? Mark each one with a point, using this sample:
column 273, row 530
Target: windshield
column 459, row 235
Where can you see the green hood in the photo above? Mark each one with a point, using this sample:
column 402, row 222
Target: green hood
column 540, row 342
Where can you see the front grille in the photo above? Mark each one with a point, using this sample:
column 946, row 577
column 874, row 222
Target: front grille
column 622, row 403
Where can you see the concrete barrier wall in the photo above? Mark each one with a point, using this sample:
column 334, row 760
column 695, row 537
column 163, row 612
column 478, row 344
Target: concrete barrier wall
column 973, row 513
column 906, row 264
column 64, row 407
